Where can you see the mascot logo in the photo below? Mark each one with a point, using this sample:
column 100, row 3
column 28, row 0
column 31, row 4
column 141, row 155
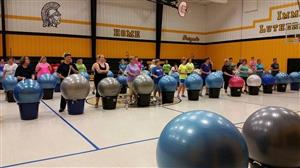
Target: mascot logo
column 50, row 15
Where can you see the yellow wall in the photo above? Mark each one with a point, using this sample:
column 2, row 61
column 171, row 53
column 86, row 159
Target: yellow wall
column 177, row 51
column 118, row 49
column 266, row 50
column 29, row 45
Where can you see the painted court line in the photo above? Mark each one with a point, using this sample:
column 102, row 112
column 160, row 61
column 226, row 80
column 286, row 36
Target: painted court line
column 73, row 127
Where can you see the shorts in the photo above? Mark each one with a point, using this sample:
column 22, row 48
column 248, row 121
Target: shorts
column 156, row 88
column 182, row 81
column 245, row 80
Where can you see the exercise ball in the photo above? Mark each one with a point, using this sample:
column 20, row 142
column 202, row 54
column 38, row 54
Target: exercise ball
column 175, row 75
column 194, row 82
column 294, row 77
column 254, row 80
column 268, row 79
column 86, row 75
column 28, row 91
column 75, row 87
column 236, row 82
column 47, row 81
column 56, row 77
column 167, row 84
column 146, row 72
column 273, row 137
column 1, row 76
column 214, row 80
column 201, row 139
column 108, row 87
column 282, row 78
column 143, row 84
column 110, row 74
column 219, row 73
column 9, row 83
column 122, row 79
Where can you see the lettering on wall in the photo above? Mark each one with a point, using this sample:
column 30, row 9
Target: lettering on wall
column 51, row 17
column 190, row 39
column 282, row 16
column 127, row 33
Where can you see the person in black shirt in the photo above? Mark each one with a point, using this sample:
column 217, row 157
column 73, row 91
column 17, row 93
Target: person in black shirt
column 64, row 70
column 275, row 67
column 24, row 71
column 227, row 73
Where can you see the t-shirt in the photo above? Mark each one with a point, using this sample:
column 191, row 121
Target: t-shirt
column 190, row 67
column 252, row 65
column 133, row 69
column 10, row 69
column 166, row 68
column 244, row 71
column 152, row 66
column 206, row 68
column 182, row 71
column 158, row 71
column 43, row 69
column 81, row 67
column 275, row 66
column 1, row 67
column 122, row 67
column 24, row 72
column 259, row 69
column 64, row 69
column 228, row 69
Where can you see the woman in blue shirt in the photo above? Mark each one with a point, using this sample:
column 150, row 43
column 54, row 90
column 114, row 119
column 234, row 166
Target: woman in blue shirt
column 259, row 68
column 122, row 67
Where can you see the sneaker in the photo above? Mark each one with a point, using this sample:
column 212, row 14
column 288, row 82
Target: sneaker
column 61, row 110
column 182, row 95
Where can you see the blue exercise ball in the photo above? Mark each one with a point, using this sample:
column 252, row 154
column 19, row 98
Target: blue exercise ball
column 219, row 73
column 28, row 91
column 167, row 84
column 86, row 75
column 176, row 76
column 56, row 77
column 268, row 79
column 282, row 78
column 194, row 82
column 122, row 80
column 9, row 83
column 146, row 72
column 214, row 80
column 1, row 76
column 295, row 77
column 201, row 139
column 110, row 74
column 47, row 81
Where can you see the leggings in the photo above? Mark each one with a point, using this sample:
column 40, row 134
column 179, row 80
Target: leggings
column 226, row 82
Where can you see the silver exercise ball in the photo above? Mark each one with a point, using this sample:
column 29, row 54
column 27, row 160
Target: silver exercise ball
column 143, row 84
column 109, row 87
column 75, row 87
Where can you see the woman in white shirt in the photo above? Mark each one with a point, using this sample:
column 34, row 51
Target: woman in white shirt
column 10, row 67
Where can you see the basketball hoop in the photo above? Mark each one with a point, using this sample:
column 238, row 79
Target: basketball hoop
column 182, row 8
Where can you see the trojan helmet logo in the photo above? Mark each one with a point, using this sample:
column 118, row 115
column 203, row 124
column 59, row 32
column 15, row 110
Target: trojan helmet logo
column 50, row 15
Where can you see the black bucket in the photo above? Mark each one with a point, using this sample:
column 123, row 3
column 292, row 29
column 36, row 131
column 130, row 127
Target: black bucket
column 254, row 90
column 29, row 111
column 193, row 95
column 57, row 88
column 167, row 97
column 214, row 93
column 109, row 103
column 76, row 107
column 48, row 94
column 268, row 89
column 123, row 89
column 295, row 86
column 281, row 87
column 143, row 100
column 9, row 96
column 236, row 92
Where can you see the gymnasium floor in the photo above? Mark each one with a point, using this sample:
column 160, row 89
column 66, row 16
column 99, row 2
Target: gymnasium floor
column 117, row 138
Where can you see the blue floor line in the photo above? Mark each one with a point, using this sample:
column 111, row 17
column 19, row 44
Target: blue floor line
column 129, row 143
column 173, row 109
column 51, row 158
column 73, row 127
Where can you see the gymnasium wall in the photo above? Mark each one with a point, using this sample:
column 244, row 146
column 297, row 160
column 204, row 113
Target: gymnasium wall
column 242, row 29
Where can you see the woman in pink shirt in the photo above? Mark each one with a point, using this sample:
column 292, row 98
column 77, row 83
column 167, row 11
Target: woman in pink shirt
column 43, row 67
